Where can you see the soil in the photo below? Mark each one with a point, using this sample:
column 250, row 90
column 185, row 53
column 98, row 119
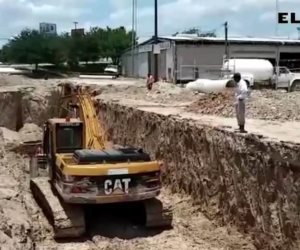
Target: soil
column 262, row 104
column 23, row 225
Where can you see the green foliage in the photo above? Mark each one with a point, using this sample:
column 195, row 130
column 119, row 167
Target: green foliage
column 199, row 33
column 4, row 54
column 32, row 47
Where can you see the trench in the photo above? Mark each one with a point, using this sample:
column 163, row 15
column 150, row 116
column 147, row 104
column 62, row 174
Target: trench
column 242, row 181
column 245, row 180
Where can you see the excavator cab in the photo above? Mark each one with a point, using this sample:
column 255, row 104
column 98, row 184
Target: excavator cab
column 62, row 136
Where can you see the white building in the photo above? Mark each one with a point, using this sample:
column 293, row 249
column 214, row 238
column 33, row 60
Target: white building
column 187, row 58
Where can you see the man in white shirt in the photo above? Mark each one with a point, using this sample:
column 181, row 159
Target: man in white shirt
column 241, row 94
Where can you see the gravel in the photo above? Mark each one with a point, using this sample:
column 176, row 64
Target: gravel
column 262, row 104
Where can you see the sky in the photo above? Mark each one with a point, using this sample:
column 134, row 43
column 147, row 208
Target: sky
column 245, row 17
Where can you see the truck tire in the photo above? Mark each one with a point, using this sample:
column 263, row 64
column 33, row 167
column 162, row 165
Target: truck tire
column 295, row 86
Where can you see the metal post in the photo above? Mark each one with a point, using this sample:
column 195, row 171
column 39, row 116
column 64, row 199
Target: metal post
column 133, row 38
column 277, row 66
column 75, row 23
column 276, row 18
column 155, row 41
column 135, row 32
column 226, row 41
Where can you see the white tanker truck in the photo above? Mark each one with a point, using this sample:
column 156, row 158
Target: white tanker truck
column 260, row 72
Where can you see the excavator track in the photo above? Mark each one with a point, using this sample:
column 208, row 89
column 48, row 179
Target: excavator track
column 68, row 221
column 157, row 214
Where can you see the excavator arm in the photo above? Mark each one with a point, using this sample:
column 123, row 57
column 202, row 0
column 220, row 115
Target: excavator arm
column 81, row 103
column 94, row 133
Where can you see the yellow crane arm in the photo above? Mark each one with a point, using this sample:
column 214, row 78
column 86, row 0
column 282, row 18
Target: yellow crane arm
column 94, row 133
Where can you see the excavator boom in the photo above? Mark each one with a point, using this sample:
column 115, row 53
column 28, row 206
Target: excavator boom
column 80, row 102
column 94, row 133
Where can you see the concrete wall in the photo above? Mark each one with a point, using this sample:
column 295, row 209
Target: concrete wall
column 142, row 64
column 139, row 60
column 250, row 51
column 126, row 66
column 198, row 57
column 170, row 64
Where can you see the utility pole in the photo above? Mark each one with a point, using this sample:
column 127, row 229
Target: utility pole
column 75, row 23
column 226, row 41
column 155, row 41
column 276, row 18
column 133, row 38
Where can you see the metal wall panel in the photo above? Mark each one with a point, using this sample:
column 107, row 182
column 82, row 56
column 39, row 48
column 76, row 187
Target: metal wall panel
column 142, row 64
column 192, row 55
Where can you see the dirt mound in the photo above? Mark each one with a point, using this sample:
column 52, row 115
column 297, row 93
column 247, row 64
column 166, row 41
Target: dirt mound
column 162, row 92
column 30, row 133
column 214, row 104
column 262, row 104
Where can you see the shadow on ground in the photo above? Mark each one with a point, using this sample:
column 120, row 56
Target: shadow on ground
column 123, row 221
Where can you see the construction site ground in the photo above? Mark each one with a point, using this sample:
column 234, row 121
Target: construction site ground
column 273, row 115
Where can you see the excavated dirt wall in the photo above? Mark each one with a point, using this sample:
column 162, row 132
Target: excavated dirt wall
column 20, row 106
column 246, row 180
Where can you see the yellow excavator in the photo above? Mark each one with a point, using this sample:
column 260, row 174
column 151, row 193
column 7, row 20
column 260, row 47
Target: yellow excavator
column 75, row 167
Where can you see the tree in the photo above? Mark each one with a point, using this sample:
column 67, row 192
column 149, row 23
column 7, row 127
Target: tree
column 90, row 50
column 55, row 50
column 4, row 53
column 27, row 47
column 118, row 41
column 191, row 31
column 200, row 33
column 207, row 34
column 32, row 47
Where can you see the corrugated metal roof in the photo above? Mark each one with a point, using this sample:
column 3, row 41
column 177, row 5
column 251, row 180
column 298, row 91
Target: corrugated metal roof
column 232, row 39
column 218, row 40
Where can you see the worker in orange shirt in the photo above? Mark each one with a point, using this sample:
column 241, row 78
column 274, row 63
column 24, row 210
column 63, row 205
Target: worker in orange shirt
column 150, row 81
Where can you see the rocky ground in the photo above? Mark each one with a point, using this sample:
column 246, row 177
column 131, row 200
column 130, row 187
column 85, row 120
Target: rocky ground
column 262, row 104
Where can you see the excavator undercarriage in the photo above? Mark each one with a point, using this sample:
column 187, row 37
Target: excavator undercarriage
column 74, row 168
column 68, row 219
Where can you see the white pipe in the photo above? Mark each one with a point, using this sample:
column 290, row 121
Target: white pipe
column 96, row 76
